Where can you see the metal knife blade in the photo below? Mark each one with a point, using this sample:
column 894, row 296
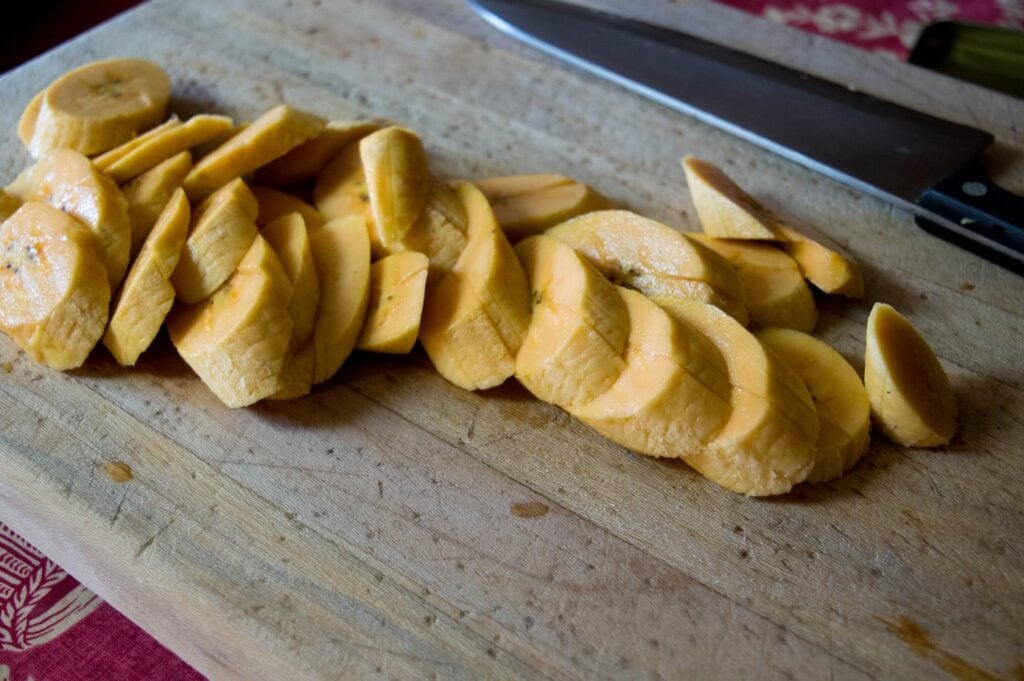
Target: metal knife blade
column 922, row 163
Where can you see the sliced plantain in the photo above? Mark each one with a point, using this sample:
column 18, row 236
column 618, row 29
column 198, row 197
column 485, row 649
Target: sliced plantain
column 8, row 204
column 100, row 105
column 341, row 253
column 147, row 295
column 222, row 230
column 777, row 294
column 823, row 266
column 297, row 373
column 660, row 262
column 306, row 161
column 573, row 350
column 160, row 147
column 767, row 445
column 120, row 151
column 237, row 340
column 839, row 396
column 149, row 193
column 672, row 397
column 476, row 316
column 440, row 231
column 398, row 285
column 525, row 205
column 67, row 180
column 341, row 192
column 27, row 122
column 397, row 180
column 724, row 209
column 911, row 399
column 270, row 136
column 54, row 291
column 288, row 237
column 274, row 204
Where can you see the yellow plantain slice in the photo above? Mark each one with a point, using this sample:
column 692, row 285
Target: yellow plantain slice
column 838, row 394
column 193, row 132
column 237, row 340
column 99, row 106
column 911, row 399
column 341, row 252
column 397, row 180
column 398, row 285
column 297, row 373
column 27, row 122
column 147, row 294
column 223, row 227
column 529, row 204
column 825, row 267
column 67, row 180
column 304, row 162
column 274, row 204
column 53, row 289
column 149, row 193
column 8, row 204
column 108, row 157
column 270, row 136
column 726, row 211
column 288, row 237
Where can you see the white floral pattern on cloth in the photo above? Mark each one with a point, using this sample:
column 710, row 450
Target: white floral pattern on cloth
column 882, row 25
column 38, row 600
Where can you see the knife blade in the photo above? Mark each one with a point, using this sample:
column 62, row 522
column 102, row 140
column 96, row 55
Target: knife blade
column 924, row 164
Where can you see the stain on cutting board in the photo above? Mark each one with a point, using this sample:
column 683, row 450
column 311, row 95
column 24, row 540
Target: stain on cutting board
column 917, row 638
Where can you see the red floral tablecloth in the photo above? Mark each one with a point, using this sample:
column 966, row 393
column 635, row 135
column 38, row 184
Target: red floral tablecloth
column 54, row 629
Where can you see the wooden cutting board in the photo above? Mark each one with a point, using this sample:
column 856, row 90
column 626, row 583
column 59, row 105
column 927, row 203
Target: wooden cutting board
column 393, row 525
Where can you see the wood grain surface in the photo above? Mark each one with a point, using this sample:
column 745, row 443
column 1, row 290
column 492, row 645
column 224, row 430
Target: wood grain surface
column 393, row 525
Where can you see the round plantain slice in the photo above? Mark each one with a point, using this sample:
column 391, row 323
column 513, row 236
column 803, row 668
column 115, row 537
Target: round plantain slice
column 237, row 339
column 147, row 294
column 69, row 181
column 911, row 399
column 100, row 105
column 53, row 289
column 838, row 394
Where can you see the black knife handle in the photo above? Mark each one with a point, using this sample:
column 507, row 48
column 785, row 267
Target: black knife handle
column 984, row 212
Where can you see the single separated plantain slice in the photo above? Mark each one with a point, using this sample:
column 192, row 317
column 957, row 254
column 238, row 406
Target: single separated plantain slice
column 726, row 211
column 398, row 285
column 97, row 106
column 160, row 147
column 823, row 266
column 237, row 340
column 573, row 350
column 221, row 234
column 341, row 253
column 288, row 237
column 660, row 262
column 911, row 399
column 304, row 162
column 839, row 396
column 53, row 289
column 147, row 295
column 767, row 445
column 672, row 397
column 149, row 193
column 270, row 136
column 69, row 181
column 525, row 205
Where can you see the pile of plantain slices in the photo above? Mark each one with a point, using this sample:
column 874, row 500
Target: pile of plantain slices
column 294, row 240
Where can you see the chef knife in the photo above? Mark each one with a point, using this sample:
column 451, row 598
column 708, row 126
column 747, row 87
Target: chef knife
column 924, row 164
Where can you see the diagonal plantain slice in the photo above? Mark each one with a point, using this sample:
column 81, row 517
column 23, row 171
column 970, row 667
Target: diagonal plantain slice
column 274, row 203
column 397, row 180
column 53, row 289
column 149, row 193
column 237, row 340
column 398, row 285
column 578, row 329
column 147, row 295
column 911, row 399
column 672, row 397
column 120, row 151
column 270, row 136
column 823, row 266
column 341, row 192
column 341, row 253
column 726, row 211
column 288, row 237
column 221, row 234
column 525, row 205
column 27, row 122
column 160, row 147
column 67, row 180
column 838, row 394
column 97, row 106
column 660, row 262
column 306, row 161
column 767, row 445
column 439, row 232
